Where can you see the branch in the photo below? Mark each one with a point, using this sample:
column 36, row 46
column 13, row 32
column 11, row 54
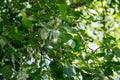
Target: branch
column 81, row 37
column 78, row 4
column 84, row 41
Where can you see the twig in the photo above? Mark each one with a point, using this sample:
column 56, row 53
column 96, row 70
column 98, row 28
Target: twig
column 80, row 35
column 78, row 4
column 84, row 41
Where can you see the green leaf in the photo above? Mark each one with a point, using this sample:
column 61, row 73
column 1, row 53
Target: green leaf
column 100, row 54
column 14, row 29
column 71, row 43
column 74, row 0
column 116, row 51
column 26, row 22
column 88, row 1
column 78, row 43
column 54, row 64
column 6, row 71
column 108, row 71
column 17, row 44
column 87, row 76
column 109, row 56
column 2, row 2
column 68, row 72
column 61, row 1
column 63, row 10
column 68, row 29
column 44, row 34
column 96, row 71
column 56, row 69
column 65, row 37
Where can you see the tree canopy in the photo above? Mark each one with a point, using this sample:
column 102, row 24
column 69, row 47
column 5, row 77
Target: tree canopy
column 59, row 39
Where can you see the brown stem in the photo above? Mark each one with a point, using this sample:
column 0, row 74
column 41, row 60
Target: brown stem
column 78, row 4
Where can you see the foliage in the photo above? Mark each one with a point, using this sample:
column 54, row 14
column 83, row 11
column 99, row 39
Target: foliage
column 50, row 39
